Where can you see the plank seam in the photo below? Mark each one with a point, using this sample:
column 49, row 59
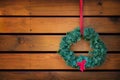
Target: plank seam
column 56, row 70
column 52, row 34
column 48, row 52
column 37, row 16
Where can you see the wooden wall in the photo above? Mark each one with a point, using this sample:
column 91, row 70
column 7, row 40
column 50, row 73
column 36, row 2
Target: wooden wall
column 31, row 30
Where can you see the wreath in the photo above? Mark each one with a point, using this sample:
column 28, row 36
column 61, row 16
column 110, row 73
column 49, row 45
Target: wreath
column 95, row 57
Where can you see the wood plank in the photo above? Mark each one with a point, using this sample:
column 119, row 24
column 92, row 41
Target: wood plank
column 59, row 7
column 59, row 75
column 56, row 24
column 49, row 61
column 50, row 43
column 14, row 7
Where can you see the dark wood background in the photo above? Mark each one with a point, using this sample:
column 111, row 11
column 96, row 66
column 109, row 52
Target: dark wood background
column 31, row 30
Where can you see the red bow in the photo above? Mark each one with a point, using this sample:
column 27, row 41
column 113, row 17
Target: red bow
column 81, row 65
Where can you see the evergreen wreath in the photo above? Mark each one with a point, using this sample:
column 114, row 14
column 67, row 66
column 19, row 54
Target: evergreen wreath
column 95, row 57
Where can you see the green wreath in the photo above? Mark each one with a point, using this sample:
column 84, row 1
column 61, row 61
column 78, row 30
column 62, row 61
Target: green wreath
column 96, row 56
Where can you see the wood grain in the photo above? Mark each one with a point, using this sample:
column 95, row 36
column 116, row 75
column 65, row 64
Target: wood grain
column 56, row 24
column 49, row 61
column 50, row 43
column 59, row 7
column 66, row 17
column 59, row 75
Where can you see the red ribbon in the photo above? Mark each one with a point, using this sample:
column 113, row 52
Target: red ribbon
column 81, row 65
column 81, row 17
column 83, row 62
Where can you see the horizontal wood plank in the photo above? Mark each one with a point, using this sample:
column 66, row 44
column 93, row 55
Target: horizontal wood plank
column 50, row 43
column 59, row 75
column 59, row 7
column 57, row 24
column 49, row 61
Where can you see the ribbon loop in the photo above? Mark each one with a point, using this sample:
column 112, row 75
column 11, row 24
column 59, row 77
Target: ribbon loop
column 81, row 17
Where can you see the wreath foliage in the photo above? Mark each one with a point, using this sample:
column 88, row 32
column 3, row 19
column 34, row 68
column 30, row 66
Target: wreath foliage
column 95, row 57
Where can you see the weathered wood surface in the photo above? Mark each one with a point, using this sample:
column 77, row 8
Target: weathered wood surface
column 59, row 75
column 50, row 43
column 66, row 18
column 59, row 7
column 56, row 24
column 49, row 61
